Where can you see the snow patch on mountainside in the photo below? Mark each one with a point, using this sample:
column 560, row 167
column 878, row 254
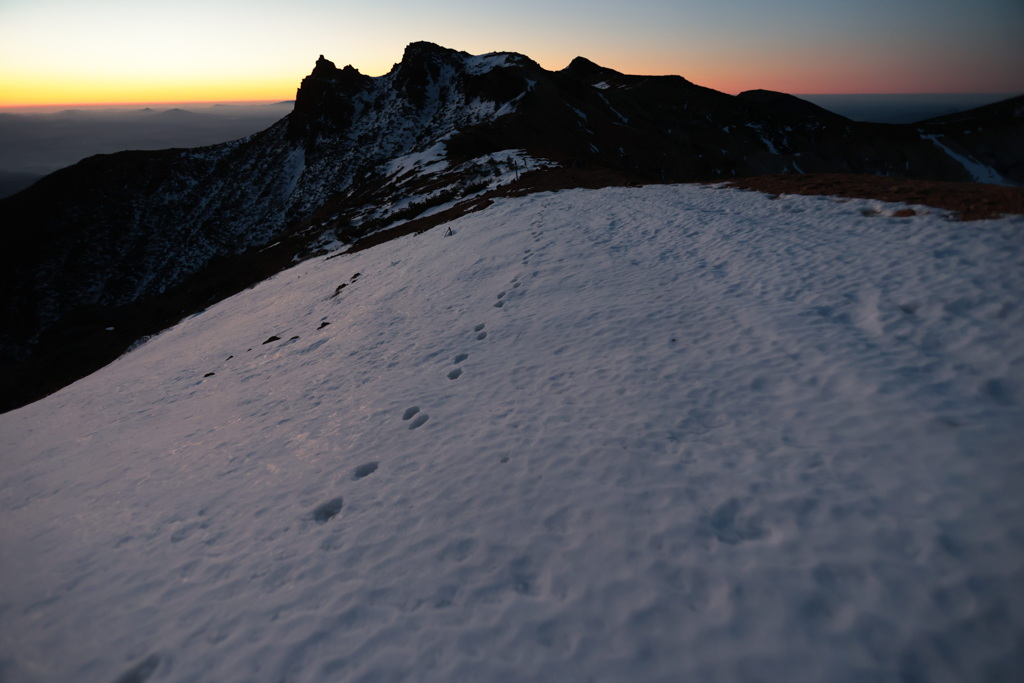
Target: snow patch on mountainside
column 461, row 182
column 979, row 172
column 430, row 160
column 648, row 434
column 481, row 64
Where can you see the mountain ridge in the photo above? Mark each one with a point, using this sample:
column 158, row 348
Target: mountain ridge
column 359, row 154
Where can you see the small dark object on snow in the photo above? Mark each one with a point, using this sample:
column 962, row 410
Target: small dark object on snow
column 273, row 338
column 448, row 233
column 294, row 338
column 354, row 277
column 210, row 374
column 328, row 510
column 323, row 325
column 364, row 470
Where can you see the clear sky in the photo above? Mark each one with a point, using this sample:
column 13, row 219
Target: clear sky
column 116, row 51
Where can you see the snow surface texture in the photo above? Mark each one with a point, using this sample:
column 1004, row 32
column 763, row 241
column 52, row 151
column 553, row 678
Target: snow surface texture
column 673, row 433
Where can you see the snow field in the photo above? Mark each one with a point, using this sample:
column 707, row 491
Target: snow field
column 648, row 434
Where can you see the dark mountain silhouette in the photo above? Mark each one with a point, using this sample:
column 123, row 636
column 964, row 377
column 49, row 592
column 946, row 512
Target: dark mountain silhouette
column 135, row 240
column 791, row 105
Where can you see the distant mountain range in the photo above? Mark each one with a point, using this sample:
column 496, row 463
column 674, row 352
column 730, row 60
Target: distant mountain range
column 118, row 246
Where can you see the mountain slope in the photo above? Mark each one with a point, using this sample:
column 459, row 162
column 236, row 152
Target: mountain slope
column 984, row 139
column 650, row 434
column 106, row 242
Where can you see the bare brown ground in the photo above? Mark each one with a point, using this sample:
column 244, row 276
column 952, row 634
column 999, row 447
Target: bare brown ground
column 967, row 201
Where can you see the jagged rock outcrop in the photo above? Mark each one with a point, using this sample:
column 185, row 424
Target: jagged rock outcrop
column 325, row 101
column 105, row 242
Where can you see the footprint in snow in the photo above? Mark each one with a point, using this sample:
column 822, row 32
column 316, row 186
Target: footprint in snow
column 327, row 511
column 455, row 374
column 364, row 470
column 416, row 416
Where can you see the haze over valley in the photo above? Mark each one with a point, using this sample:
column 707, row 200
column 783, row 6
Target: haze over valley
column 40, row 141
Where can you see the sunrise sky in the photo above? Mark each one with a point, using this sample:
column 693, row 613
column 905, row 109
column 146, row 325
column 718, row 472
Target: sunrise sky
column 126, row 51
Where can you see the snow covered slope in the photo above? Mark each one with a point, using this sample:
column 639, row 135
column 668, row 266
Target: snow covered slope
column 673, row 433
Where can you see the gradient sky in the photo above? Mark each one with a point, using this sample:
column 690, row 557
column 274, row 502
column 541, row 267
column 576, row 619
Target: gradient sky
column 117, row 51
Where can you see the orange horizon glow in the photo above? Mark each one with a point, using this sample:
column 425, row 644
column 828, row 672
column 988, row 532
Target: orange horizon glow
column 115, row 52
column 726, row 71
column 58, row 106
column 122, row 104
column 66, row 94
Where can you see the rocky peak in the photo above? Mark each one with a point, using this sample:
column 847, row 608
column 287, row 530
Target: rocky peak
column 423, row 51
column 581, row 66
column 324, row 98
column 326, row 76
column 422, row 65
column 583, row 69
column 324, row 68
